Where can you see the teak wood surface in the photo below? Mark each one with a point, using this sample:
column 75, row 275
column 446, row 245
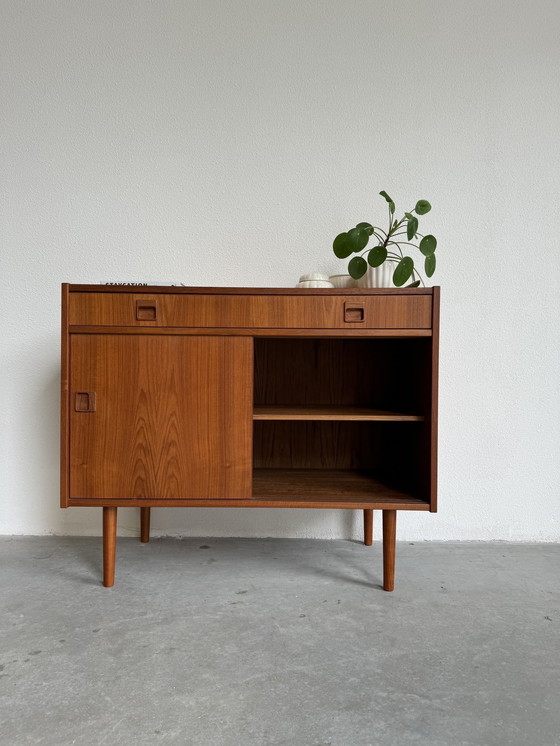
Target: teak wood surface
column 251, row 311
column 249, row 397
column 172, row 420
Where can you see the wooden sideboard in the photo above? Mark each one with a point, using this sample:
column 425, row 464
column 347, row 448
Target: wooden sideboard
column 251, row 398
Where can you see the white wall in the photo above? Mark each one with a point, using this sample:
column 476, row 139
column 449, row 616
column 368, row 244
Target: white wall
column 226, row 143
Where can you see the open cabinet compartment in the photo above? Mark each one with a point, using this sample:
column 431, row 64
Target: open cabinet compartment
column 342, row 418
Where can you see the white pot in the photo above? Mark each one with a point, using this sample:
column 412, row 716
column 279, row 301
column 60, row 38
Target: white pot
column 343, row 281
column 378, row 277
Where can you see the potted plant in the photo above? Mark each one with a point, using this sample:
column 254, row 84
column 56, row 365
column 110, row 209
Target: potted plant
column 387, row 248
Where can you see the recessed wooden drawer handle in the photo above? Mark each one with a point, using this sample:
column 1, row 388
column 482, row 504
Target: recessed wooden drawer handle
column 353, row 313
column 85, row 401
column 146, row 310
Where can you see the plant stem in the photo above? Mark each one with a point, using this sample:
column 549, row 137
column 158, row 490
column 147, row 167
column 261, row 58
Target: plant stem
column 415, row 272
column 397, row 243
column 392, row 231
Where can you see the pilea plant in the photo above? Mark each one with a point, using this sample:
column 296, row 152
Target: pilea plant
column 388, row 245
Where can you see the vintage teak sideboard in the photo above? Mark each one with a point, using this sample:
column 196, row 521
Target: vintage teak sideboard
column 251, row 398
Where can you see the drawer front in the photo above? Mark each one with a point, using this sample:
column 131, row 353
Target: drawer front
column 252, row 311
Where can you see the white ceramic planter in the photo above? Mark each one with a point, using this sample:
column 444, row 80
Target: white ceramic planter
column 378, row 277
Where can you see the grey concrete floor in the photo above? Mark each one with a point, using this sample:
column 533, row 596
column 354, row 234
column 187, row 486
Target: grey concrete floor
column 212, row 642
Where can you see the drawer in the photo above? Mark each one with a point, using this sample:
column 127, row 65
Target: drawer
column 251, row 311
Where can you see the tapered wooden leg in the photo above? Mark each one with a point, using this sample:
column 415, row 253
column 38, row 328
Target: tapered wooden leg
column 368, row 527
column 109, row 545
column 144, row 524
column 389, row 536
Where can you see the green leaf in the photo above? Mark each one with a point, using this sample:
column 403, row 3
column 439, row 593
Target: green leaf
column 423, row 206
column 403, row 271
column 411, row 228
column 430, row 265
column 389, row 200
column 341, row 247
column 357, row 239
column 408, row 215
column 357, row 267
column 414, row 284
column 377, row 256
column 366, row 227
column 428, row 245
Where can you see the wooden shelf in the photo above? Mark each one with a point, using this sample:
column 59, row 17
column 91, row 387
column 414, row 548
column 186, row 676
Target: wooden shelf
column 361, row 414
column 329, row 488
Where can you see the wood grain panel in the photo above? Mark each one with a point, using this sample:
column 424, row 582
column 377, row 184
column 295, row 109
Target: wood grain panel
column 253, row 311
column 316, row 445
column 325, row 484
column 173, row 417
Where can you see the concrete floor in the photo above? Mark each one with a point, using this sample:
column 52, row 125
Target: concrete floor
column 212, row 642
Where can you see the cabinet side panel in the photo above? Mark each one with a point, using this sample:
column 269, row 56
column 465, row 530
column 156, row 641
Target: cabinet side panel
column 434, row 397
column 171, row 418
column 64, row 382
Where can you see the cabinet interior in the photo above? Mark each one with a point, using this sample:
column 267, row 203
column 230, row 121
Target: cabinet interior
column 357, row 407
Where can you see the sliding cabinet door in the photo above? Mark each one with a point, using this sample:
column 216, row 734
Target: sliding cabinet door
column 165, row 417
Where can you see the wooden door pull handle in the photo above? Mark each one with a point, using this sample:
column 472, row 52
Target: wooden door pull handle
column 353, row 313
column 146, row 310
column 85, row 401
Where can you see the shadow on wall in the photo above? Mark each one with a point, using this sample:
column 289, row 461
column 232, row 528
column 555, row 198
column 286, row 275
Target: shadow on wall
column 267, row 522
column 47, row 434
column 32, row 476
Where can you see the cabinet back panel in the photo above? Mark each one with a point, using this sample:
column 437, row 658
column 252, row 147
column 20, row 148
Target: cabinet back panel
column 379, row 373
column 394, row 450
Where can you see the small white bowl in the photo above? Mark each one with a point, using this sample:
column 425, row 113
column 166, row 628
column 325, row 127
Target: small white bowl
column 314, row 276
column 343, row 281
column 314, row 284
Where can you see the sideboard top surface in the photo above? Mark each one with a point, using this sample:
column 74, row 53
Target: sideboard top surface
column 244, row 291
